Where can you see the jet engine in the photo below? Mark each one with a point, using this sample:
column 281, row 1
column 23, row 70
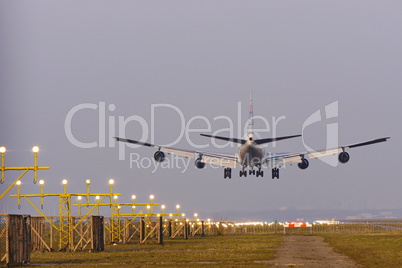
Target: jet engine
column 303, row 164
column 343, row 157
column 159, row 156
column 199, row 164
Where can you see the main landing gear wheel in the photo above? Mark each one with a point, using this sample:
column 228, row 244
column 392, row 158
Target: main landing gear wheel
column 243, row 173
column 251, row 172
column 260, row 173
column 227, row 173
column 275, row 173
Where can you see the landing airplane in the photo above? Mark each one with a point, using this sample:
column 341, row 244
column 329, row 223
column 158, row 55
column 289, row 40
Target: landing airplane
column 250, row 153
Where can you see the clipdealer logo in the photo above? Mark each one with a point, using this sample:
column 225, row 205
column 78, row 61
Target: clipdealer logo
column 108, row 123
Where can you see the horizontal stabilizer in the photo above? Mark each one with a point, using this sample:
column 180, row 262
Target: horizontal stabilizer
column 268, row 140
column 226, row 139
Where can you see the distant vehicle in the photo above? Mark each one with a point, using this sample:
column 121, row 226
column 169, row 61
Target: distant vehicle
column 251, row 154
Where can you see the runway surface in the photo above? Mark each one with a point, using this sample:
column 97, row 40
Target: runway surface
column 309, row 251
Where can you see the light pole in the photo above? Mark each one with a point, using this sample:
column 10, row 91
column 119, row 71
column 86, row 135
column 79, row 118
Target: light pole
column 97, row 198
column 35, row 150
column 41, row 188
column 177, row 211
column 163, row 209
column 79, row 205
column 19, row 193
column 151, row 199
column 88, row 186
column 2, row 151
column 133, row 198
column 64, row 186
column 111, row 182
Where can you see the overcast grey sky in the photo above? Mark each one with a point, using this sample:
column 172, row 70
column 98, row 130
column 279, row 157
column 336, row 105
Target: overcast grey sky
column 203, row 57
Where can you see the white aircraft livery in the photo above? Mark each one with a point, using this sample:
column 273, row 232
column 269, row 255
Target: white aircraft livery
column 251, row 154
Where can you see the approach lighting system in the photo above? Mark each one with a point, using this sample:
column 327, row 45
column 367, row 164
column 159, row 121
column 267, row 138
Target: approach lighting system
column 41, row 182
column 18, row 182
column 111, row 181
column 64, row 181
column 35, row 149
column 2, row 149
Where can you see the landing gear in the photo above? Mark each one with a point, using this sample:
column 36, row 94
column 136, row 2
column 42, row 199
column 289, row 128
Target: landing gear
column 227, row 173
column 251, row 172
column 275, row 173
column 243, row 173
column 260, row 173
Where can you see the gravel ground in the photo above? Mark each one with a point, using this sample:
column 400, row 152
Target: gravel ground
column 309, row 251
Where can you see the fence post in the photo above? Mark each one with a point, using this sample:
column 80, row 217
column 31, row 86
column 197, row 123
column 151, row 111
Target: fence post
column 142, row 229
column 160, row 237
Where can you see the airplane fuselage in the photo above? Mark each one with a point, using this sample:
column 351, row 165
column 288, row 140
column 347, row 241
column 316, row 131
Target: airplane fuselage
column 250, row 154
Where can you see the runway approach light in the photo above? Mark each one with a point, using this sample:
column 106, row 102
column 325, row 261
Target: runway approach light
column 115, row 197
column 64, row 182
column 2, row 149
column 88, row 181
column 111, row 181
column 35, row 149
column 177, row 206
column 133, row 197
column 18, row 182
column 151, row 197
column 41, row 182
column 79, row 197
column 97, row 197
column 163, row 206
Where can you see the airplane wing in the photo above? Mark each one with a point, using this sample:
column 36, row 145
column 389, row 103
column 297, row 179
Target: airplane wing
column 278, row 160
column 206, row 157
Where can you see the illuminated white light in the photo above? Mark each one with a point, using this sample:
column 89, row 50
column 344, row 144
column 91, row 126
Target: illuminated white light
column 195, row 215
column 183, row 214
column 88, row 181
column 177, row 206
column 151, row 197
column 64, row 182
column 97, row 197
column 35, row 149
column 41, row 182
column 170, row 215
column 2, row 149
column 163, row 206
column 115, row 197
column 148, row 207
column 79, row 197
column 18, row 182
column 111, row 181
column 132, row 206
column 133, row 196
column 158, row 215
column 119, row 207
column 209, row 220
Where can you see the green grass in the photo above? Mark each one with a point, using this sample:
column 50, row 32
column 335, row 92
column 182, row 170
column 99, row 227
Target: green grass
column 231, row 250
column 370, row 250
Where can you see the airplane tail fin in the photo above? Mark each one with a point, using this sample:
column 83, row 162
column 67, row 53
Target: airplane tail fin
column 250, row 116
